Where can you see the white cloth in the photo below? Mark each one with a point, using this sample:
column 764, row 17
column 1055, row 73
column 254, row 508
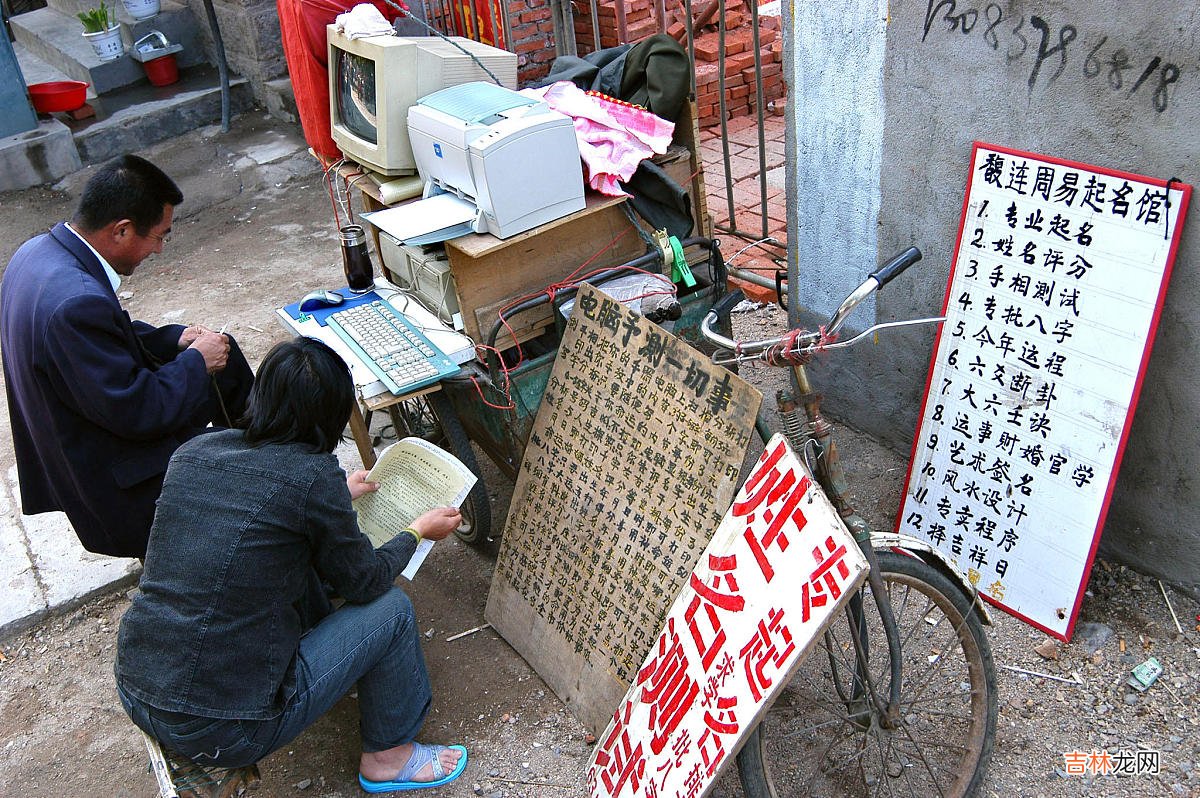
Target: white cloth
column 363, row 20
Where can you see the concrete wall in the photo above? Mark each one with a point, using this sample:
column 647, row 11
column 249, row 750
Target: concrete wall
column 250, row 33
column 1060, row 78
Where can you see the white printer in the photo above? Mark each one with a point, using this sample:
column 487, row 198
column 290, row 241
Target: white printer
column 512, row 161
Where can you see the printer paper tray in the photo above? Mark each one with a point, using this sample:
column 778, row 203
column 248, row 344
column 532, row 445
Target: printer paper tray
column 428, row 221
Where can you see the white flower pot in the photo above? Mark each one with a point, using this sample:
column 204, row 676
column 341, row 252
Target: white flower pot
column 106, row 44
column 141, row 9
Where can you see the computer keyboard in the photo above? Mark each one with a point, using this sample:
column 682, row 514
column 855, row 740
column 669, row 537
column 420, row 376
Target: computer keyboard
column 388, row 344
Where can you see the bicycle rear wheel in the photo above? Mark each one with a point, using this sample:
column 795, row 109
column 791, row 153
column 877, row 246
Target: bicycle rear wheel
column 823, row 736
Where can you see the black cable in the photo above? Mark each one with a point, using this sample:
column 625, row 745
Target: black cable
column 437, row 32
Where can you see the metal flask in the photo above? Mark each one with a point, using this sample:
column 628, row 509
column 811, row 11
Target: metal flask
column 356, row 261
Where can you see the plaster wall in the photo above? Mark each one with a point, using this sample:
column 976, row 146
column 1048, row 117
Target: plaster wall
column 1104, row 83
column 834, row 135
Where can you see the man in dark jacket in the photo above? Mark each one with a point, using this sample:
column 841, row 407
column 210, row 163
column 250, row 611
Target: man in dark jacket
column 99, row 402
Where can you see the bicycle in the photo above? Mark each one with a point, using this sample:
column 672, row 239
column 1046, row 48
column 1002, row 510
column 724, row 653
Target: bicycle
column 899, row 697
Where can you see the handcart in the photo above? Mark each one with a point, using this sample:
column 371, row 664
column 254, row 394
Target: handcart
column 494, row 403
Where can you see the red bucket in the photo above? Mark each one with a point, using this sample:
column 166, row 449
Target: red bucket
column 162, row 71
column 58, row 95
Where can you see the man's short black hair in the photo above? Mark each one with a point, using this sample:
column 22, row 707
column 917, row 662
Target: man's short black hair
column 302, row 394
column 127, row 187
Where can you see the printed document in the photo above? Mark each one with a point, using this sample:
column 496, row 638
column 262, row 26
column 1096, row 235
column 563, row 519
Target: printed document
column 414, row 476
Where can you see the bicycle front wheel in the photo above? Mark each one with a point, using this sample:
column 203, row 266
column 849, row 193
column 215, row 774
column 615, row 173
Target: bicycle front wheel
column 824, row 736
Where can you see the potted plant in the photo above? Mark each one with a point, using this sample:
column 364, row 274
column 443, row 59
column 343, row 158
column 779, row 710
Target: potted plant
column 100, row 28
column 141, row 9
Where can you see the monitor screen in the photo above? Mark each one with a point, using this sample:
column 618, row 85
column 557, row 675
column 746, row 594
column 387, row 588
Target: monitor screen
column 356, row 95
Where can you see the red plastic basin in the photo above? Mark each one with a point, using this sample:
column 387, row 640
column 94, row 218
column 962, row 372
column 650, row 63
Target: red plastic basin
column 58, row 95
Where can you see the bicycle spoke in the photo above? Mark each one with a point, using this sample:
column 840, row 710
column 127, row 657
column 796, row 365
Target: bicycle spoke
column 829, row 739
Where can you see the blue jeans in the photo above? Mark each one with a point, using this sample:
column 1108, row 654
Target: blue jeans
column 376, row 645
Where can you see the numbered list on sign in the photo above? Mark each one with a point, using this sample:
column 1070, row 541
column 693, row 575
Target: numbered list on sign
column 1057, row 279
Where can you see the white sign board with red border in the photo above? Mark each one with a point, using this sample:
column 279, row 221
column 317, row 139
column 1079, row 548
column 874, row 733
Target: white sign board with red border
column 780, row 565
column 1058, row 279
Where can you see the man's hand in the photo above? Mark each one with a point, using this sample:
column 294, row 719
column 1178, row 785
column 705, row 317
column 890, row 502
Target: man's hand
column 438, row 522
column 358, row 485
column 190, row 334
column 214, row 347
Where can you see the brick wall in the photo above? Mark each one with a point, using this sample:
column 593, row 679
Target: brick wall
column 740, row 94
column 532, row 38
column 740, row 99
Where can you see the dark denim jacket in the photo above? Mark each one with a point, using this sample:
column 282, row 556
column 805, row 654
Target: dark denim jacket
column 214, row 630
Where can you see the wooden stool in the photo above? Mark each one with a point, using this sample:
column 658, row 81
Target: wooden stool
column 180, row 777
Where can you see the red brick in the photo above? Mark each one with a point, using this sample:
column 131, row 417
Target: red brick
column 765, row 37
column 530, row 46
column 737, row 42
column 739, row 62
column 738, row 92
column 740, row 125
column 734, row 19
column 749, row 221
column 706, row 73
column 707, row 48
column 641, row 30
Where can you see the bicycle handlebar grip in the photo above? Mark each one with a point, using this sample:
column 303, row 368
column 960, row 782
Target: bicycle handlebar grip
column 727, row 303
column 896, row 265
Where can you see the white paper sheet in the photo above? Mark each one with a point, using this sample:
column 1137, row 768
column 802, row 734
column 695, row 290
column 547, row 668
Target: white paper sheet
column 426, row 218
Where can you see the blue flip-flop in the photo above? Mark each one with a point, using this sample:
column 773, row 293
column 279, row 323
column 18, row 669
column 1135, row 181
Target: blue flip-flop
column 422, row 755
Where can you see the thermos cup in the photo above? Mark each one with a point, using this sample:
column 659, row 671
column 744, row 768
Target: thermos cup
column 356, row 261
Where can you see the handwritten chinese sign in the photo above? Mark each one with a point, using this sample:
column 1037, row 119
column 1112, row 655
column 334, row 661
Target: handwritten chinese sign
column 777, row 569
column 633, row 457
column 1054, row 295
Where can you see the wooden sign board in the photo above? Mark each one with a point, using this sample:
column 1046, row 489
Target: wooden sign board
column 777, row 570
column 632, row 460
column 1054, row 295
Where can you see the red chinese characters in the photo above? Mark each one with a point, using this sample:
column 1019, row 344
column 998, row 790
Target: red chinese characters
column 777, row 495
column 826, row 580
column 667, row 687
column 619, row 761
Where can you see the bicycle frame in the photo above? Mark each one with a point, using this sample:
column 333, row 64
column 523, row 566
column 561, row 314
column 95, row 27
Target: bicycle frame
column 813, row 433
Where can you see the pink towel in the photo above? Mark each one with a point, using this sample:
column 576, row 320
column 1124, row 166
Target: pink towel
column 614, row 136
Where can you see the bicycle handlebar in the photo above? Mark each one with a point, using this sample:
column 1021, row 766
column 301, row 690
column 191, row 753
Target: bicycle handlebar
column 728, row 303
column 896, row 266
column 806, row 342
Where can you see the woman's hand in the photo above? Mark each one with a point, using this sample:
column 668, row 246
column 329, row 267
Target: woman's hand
column 437, row 523
column 358, row 485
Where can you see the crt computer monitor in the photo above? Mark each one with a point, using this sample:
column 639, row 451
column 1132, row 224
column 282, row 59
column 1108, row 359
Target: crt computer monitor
column 373, row 81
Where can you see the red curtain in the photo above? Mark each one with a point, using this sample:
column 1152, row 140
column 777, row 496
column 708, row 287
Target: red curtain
column 302, row 24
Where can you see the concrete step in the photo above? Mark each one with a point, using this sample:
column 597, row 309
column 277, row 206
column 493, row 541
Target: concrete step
column 56, row 38
column 35, row 70
column 143, row 115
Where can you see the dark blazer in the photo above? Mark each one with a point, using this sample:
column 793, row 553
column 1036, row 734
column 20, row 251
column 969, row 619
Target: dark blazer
column 95, row 416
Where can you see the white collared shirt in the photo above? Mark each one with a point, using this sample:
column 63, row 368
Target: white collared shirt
column 114, row 279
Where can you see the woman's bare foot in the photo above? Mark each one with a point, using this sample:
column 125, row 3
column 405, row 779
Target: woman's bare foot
column 386, row 765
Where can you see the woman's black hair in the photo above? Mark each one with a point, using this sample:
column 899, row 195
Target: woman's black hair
column 127, row 187
column 302, row 394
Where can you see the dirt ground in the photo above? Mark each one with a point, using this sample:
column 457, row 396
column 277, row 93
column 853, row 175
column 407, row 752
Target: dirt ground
column 62, row 731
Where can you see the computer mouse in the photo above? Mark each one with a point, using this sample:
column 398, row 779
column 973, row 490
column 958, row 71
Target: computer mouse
column 316, row 300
